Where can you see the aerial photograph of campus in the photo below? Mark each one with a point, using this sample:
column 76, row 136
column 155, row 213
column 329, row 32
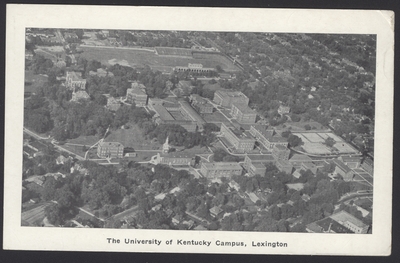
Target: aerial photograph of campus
column 198, row 130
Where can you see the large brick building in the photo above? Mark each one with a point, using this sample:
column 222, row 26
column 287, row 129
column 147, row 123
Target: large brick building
column 226, row 98
column 137, row 95
column 200, row 104
column 237, row 140
column 267, row 138
column 174, row 158
column 110, row 150
column 180, row 113
column 255, row 164
column 243, row 113
column 74, row 81
column 223, row 169
column 280, row 152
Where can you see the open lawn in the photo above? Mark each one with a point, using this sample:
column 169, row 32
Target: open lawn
column 75, row 149
column 33, row 82
column 143, row 57
column 84, row 140
column 132, row 138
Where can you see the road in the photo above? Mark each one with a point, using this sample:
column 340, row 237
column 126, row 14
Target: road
column 58, row 147
column 130, row 212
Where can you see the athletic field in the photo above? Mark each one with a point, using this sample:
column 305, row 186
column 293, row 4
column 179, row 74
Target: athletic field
column 141, row 57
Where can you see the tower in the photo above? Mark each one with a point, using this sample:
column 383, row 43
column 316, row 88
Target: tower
column 166, row 146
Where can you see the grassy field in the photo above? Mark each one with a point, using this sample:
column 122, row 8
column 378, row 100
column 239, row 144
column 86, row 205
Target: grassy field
column 84, row 140
column 132, row 138
column 142, row 57
column 33, row 82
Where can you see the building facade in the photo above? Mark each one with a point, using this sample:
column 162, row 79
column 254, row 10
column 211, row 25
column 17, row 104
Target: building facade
column 280, row 152
column 243, row 113
column 110, row 150
column 226, row 98
column 74, row 81
column 267, row 138
column 200, row 104
column 113, row 104
column 174, row 158
column 255, row 164
column 136, row 95
column 240, row 141
column 284, row 166
column 220, row 169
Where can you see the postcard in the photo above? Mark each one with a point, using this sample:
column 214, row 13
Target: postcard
column 198, row 130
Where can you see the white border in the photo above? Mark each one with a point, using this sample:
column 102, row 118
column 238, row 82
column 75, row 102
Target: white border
column 201, row 19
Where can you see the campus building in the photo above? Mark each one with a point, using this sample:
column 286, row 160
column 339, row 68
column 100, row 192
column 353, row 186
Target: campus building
column 200, row 104
column 180, row 113
column 280, row 152
column 220, row 169
column 284, row 166
column 80, row 95
column 113, row 104
column 283, row 109
column 75, row 81
column 255, row 164
column 110, row 150
column 297, row 160
column 194, row 68
column 340, row 222
column 243, row 113
column 136, row 94
column 226, row 98
column 236, row 140
column 368, row 165
column 174, row 158
column 343, row 170
column 267, row 138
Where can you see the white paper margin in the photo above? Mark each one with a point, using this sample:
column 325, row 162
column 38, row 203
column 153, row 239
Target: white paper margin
column 198, row 19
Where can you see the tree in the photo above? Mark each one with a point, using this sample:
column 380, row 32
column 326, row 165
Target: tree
column 294, row 140
column 330, row 142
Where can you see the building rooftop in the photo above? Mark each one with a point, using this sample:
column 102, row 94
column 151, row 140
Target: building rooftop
column 347, row 159
column 193, row 114
column 263, row 130
column 75, row 76
column 225, row 93
column 343, row 216
column 222, row 165
column 300, row 158
column 330, row 224
column 276, row 138
column 137, row 91
column 283, row 162
column 162, row 112
column 244, row 108
column 341, row 165
column 260, row 158
column 177, row 155
column 281, row 147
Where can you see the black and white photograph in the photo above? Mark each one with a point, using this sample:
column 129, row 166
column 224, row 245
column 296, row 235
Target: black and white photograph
column 198, row 133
